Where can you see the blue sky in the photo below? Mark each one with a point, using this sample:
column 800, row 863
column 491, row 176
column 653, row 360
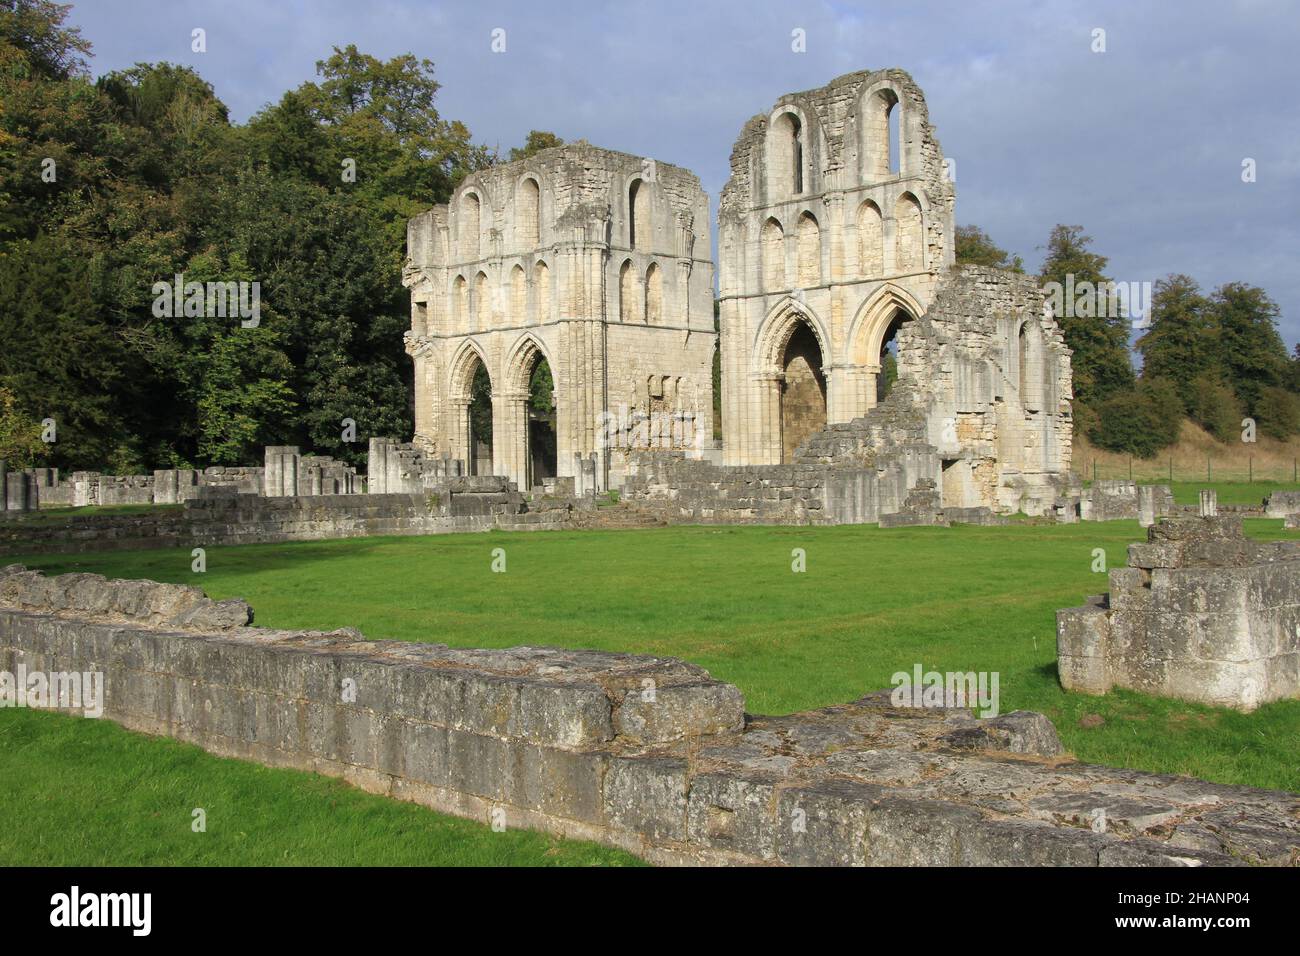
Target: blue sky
column 1142, row 144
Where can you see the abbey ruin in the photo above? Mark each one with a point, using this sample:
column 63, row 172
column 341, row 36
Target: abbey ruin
column 848, row 339
column 591, row 262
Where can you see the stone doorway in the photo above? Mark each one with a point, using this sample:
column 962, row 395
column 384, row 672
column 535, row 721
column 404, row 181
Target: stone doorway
column 888, row 359
column 542, row 451
column 803, row 392
column 480, row 422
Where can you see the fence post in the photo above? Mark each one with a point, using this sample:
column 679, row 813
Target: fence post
column 1130, row 467
column 1207, row 468
column 1250, row 468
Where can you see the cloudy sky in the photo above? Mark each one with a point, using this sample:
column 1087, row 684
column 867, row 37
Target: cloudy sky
column 1142, row 144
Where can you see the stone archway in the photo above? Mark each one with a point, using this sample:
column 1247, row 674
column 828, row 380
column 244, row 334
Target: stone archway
column 803, row 390
column 793, row 394
column 873, row 358
column 529, row 416
column 471, row 409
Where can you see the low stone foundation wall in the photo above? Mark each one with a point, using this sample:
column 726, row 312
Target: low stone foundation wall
column 223, row 517
column 648, row 754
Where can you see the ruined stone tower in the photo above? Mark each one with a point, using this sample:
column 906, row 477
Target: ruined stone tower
column 594, row 262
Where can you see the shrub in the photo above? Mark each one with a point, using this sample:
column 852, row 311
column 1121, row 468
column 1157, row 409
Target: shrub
column 1277, row 412
column 1215, row 407
column 1139, row 421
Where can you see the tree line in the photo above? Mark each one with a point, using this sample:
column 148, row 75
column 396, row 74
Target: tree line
column 1214, row 357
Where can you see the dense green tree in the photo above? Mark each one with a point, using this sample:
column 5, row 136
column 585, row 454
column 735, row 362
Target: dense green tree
column 1180, row 344
column 1214, row 406
column 38, row 28
column 1139, row 421
column 1277, row 412
column 1251, row 351
column 1093, row 322
column 974, row 246
column 20, row 434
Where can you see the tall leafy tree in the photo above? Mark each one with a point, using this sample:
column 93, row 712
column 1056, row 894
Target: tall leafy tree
column 1180, row 344
column 1095, row 326
column 1252, row 352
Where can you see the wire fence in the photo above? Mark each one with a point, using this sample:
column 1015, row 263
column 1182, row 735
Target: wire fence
column 1212, row 469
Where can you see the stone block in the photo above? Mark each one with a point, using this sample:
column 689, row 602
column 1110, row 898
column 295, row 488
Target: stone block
column 648, row 796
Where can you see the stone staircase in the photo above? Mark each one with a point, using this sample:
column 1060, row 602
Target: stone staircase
column 622, row 516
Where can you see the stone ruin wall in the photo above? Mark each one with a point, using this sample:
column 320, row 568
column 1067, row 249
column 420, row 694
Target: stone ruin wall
column 454, row 504
column 541, row 257
column 648, row 754
column 287, row 472
column 831, row 252
column 1200, row 613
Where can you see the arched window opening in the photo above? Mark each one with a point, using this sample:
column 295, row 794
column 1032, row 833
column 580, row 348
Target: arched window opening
column 880, row 122
column 888, row 358
column 654, row 295
column 638, row 215
column 542, row 292
column 629, row 300
column 809, row 251
column 527, row 213
column 909, row 231
column 803, row 391
column 518, row 297
column 786, row 157
column 460, row 302
column 482, row 303
column 470, row 210
column 871, row 241
column 773, row 240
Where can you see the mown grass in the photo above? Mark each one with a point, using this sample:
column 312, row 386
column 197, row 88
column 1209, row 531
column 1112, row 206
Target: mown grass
column 78, row 792
column 872, row 602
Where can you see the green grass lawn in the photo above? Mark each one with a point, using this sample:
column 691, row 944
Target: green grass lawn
column 80, row 792
column 872, row 602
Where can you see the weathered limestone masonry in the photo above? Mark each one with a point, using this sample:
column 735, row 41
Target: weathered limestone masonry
column 163, row 487
column 594, row 261
column 288, row 473
column 1113, row 500
column 1282, row 504
column 829, row 256
column 222, row 517
column 1201, row 613
column 19, row 490
column 649, row 754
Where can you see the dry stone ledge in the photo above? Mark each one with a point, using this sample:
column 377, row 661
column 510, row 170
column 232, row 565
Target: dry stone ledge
column 645, row 753
column 1201, row 613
